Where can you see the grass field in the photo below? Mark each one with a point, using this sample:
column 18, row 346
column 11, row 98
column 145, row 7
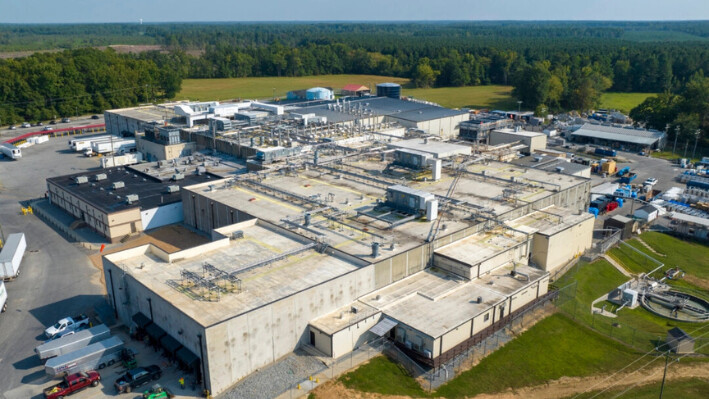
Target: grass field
column 262, row 88
column 549, row 350
column 692, row 388
column 454, row 97
column 623, row 102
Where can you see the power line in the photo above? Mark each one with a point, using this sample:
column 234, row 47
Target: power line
column 656, row 371
column 642, row 367
column 635, row 361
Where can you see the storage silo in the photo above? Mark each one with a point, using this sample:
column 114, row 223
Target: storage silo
column 319, row 93
column 391, row 90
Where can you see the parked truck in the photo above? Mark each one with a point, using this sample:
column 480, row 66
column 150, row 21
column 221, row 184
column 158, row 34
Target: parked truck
column 83, row 143
column 11, row 256
column 605, row 152
column 10, row 151
column 72, row 384
column 118, row 147
column 3, row 297
column 67, row 324
column 72, row 341
column 95, row 356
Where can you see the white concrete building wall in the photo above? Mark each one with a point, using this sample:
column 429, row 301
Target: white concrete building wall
column 162, row 216
column 521, row 298
column 346, row 340
column 551, row 252
column 455, row 336
column 239, row 346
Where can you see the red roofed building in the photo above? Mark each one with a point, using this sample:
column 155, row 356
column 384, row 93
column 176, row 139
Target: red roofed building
column 355, row 90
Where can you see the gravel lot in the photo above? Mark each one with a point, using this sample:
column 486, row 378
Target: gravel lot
column 275, row 379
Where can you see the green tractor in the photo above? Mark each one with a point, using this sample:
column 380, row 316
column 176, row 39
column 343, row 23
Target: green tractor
column 128, row 359
column 157, row 392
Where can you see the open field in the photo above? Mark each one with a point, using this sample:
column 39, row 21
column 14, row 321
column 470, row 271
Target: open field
column 493, row 96
column 623, row 102
column 547, row 351
column 454, row 97
column 259, row 88
column 691, row 388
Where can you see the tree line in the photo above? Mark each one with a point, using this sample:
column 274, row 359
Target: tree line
column 552, row 66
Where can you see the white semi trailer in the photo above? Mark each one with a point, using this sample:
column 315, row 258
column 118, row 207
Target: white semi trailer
column 69, row 343
column 10, row 151
column 3, row 297
column 95, row 356
column 11, row 256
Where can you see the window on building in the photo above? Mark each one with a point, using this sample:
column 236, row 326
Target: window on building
column 486, row 317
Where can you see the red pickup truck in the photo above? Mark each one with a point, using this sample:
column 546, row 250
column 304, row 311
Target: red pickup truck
column 73, row 383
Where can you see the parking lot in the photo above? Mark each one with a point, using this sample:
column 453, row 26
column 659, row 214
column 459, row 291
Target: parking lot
column 57, row 278
column 6, row 133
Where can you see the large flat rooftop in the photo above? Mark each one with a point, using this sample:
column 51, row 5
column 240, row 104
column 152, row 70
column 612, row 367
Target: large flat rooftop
column 151, row 191
column 250, row 258
column 434, row 302
column 549, row 221
column 479, row 247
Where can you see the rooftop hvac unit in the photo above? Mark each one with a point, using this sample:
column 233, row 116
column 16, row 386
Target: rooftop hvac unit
column 538, row 159
column 118, row 184
column 81, row 179
column 100, row 176
column 178, row 176
column 237, row 235
column 560, row 169
column 173, row 188
column 131, row 198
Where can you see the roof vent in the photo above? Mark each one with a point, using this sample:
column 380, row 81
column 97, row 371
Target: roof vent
column 100, row 176
column 131, row 198
column 118, row 184
column 237, row 235
column 81, row 179
column 538, row 158
column 560, row 169
column 480, row 299
column 173, row 188
column 178, row 176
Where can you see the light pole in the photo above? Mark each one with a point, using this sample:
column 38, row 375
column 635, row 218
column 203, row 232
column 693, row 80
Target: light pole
column 676, row 135
column 696, row 138
column 274, row 94
column 519, row 106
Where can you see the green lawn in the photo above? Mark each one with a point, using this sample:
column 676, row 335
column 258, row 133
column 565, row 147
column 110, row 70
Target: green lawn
column 383, row 376
column 592, row 280
column 260, row 88
column 623, row 102
column 492, row 97
column 454, row 97
column 549, row 350
column 692, row 388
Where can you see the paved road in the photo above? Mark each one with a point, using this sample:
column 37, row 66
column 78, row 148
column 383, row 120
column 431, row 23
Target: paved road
column 6, row 133
column 56, row 279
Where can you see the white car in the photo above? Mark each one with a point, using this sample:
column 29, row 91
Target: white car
column 67, row 324
column 650, row 182
column 48, row 128
column 26, row 124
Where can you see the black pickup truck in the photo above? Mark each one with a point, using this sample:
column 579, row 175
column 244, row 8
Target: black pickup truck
column 137, row 377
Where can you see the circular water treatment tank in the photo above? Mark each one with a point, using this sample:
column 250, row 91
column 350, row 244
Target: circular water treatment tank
column 676, row 305
column 391, row 90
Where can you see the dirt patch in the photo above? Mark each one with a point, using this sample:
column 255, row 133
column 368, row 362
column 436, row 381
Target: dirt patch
column 135, row 49
column 699, row 282
column 561, row 388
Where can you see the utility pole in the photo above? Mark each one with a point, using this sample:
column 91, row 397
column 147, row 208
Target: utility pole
column 519, row 106
column 686, row 145
column 664, row 375
column 696, row 138
column 676, row 135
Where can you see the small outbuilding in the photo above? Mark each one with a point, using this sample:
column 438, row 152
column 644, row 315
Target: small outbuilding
column 679, row 341
column 647, row 213
column 625, row 224
column 355, row 90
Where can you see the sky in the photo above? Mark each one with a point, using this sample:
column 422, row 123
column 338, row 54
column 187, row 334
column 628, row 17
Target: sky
column 89, row 11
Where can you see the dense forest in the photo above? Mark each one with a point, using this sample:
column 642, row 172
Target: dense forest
column 552, row 65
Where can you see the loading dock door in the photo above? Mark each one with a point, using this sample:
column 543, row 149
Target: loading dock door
column 383, row 327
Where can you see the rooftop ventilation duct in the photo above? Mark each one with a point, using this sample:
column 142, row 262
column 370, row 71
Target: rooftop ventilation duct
column 131, row 198
column 100, row 176
column 81, row 179
column 178, row 176
column 118, row 184
column 173, row 188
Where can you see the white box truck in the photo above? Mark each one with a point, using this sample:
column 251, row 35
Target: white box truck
column 10, row 151
column 72, row 341
column 11, row 256
column 118, row 147
column 3, row 297
column 95, row 356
